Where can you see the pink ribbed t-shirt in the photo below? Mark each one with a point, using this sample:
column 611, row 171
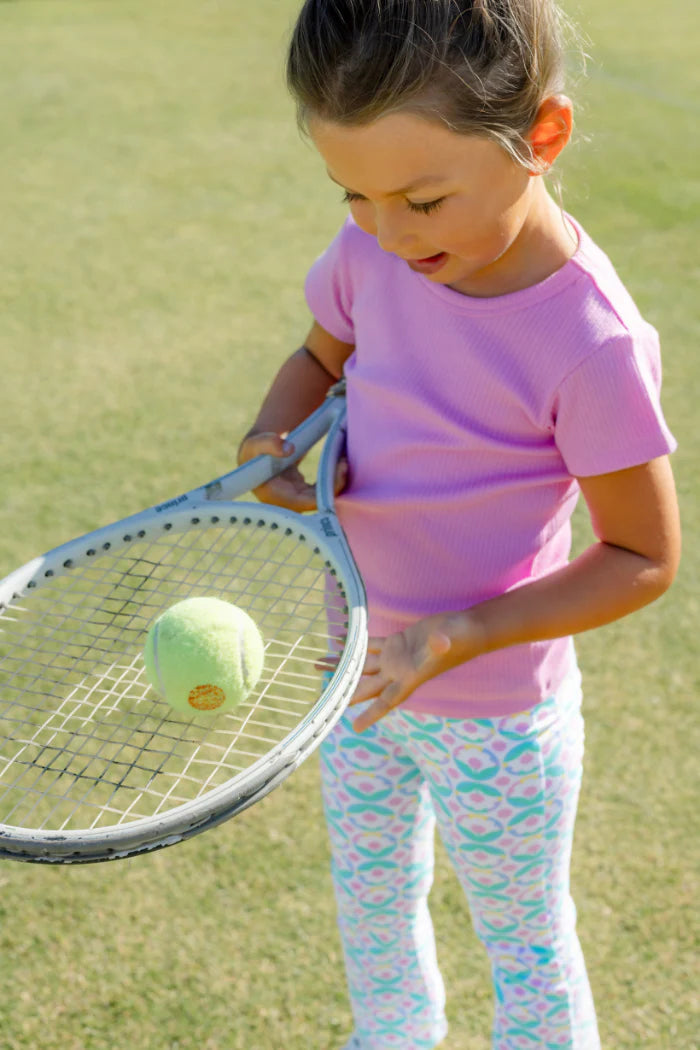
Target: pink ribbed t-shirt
column 468, row 420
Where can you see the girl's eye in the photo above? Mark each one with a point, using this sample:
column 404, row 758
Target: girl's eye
column 422, row 209
column 427, row 207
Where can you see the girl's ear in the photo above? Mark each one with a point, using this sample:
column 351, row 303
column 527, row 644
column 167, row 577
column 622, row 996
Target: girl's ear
column 550, row 132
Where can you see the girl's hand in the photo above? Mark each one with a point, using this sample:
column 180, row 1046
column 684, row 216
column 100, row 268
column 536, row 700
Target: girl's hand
column 289, row 489
column 635, row 516
column 397, row 665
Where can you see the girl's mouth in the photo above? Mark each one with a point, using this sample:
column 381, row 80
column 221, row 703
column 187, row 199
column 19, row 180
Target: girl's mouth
column 429, row 265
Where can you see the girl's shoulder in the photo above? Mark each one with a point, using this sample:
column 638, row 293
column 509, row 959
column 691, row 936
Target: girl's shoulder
column 604, row 298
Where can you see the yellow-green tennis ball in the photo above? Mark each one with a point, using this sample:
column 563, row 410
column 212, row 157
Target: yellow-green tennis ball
column 204, row 654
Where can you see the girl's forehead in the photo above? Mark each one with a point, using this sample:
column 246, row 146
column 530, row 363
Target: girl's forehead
column 398, row 153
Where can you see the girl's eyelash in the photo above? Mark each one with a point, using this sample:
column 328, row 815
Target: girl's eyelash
column 422, row 209
column 427, row 208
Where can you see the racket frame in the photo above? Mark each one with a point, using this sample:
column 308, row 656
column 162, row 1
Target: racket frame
column 213, row 503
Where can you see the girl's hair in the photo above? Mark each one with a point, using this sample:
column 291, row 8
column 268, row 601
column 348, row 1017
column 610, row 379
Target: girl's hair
column 479, row 66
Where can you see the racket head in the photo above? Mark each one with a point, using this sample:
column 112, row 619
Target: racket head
column 93, row 765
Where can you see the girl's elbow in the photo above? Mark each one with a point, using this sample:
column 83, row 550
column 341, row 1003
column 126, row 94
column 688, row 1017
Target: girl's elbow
column 665, row 572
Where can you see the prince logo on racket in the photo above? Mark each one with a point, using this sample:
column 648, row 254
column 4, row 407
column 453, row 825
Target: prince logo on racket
column 496, row 369
column 171, row 503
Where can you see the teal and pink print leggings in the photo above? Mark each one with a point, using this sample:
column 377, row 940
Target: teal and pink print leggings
column 503, row 793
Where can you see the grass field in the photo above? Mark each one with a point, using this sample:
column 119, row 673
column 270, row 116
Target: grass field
column 158, row 214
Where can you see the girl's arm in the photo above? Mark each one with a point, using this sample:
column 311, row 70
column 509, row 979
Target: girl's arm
column 298, row 388
column 634, row 514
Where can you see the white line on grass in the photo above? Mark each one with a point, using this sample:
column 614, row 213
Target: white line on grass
column 635, row 87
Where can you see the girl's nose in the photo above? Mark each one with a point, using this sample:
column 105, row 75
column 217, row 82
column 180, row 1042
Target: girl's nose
column 392, row 234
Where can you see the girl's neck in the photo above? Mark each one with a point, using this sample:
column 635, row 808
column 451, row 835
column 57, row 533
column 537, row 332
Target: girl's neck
column 545, row 243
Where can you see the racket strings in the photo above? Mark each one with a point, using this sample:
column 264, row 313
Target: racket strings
column 85, row 741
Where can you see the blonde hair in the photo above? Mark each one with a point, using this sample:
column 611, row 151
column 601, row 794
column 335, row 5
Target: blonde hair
column 479, row 66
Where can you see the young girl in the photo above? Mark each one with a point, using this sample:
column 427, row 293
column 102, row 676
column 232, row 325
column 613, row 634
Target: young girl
column 495, row 367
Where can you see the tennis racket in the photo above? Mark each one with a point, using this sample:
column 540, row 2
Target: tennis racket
column 93, row 764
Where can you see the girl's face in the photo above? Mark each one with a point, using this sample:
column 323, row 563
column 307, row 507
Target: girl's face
column 456, row 208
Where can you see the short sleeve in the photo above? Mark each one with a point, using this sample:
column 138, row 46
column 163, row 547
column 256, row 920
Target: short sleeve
column 329, row 291
column 607, row 411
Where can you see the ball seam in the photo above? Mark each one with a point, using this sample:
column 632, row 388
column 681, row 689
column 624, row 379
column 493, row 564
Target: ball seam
column 156, row 661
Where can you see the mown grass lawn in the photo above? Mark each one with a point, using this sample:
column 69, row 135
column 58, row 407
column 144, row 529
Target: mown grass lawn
column 159, row 212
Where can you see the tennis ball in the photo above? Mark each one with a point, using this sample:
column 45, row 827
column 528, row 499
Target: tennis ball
column 203, row 654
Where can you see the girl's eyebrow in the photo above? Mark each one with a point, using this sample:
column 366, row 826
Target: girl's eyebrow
column 422, row 181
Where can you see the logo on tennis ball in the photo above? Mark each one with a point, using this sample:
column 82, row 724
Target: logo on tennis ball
column 206, row 697
column 204, row 654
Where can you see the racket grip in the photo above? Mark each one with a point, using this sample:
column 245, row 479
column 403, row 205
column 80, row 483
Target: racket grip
column 262, row 468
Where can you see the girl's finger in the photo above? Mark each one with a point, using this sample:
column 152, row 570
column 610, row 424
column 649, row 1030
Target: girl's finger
column 327, row 663
column 388, row 699
column 373, row 662
column 289, row 492
column 267, row 443
column 370, row 686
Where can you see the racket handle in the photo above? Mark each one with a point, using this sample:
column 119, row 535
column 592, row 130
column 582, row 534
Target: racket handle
column 331, row 453
column 260, row 469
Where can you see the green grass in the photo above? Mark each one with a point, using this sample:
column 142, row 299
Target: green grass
column 158, row 214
